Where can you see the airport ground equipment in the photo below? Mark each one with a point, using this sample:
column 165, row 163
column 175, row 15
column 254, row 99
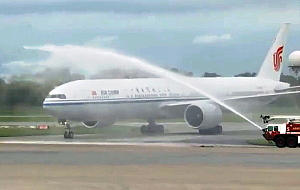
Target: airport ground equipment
column 285, row 134
column 43, row 127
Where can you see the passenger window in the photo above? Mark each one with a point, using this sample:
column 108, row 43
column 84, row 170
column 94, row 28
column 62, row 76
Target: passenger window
column 275, row 128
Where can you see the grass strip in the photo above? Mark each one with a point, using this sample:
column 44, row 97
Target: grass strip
column 109, row 132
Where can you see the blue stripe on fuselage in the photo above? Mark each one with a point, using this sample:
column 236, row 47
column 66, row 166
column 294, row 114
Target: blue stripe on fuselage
column 115, row 101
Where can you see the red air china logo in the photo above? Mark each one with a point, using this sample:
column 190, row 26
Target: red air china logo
column 277, row 58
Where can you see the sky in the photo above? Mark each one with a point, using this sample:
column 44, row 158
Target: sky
column 223, row 36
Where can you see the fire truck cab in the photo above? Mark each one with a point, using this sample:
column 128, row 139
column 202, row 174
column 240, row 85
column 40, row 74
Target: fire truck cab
column 283, row 134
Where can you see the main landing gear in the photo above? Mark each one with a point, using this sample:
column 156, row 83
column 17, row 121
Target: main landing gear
column 68, row 133
column 152, row 128
column 213, row 131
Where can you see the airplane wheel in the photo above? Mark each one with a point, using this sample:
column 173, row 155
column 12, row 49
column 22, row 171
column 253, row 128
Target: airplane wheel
column 159, row 129
column 292, row 142
column 219, row 129
column 71, row 135
column 213, row 131
column 280, row 142
column 65, row 135
column 143, row 129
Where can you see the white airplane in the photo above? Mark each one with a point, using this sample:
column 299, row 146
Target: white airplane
column 98, row 103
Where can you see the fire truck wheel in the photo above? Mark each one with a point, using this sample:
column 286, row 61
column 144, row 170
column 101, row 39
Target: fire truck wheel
column 280, row 142
column 292, row 142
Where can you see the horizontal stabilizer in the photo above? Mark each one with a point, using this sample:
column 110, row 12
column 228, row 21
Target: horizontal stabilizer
column 288, row 89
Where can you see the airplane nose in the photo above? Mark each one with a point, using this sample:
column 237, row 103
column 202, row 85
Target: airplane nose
column 48, row 108
column 52, row 109
column 44, row 104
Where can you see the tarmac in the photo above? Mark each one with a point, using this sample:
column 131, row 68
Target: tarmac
column 179, row 159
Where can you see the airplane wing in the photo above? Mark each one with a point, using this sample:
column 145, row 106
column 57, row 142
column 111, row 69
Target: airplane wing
column 176, row 109
column 184, row 104
column 178, row 104
column 288, row 89
column 253, row 97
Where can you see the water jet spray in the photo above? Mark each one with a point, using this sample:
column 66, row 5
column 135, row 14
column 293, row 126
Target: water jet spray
column 70, row 53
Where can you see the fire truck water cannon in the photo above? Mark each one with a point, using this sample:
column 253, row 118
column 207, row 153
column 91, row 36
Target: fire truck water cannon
column 266, row 118
column 285, row 134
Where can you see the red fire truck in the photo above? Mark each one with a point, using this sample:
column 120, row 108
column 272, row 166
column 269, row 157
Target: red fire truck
column 284, row 134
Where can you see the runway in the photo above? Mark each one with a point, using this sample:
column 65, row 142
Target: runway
column 177, row 136
column 180, row 159
column 135, row 167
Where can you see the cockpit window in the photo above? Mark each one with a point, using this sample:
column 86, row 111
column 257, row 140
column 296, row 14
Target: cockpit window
column 60, row 96
column 270, row 128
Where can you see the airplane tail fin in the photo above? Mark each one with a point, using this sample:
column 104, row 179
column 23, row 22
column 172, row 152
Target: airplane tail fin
column 271, row 67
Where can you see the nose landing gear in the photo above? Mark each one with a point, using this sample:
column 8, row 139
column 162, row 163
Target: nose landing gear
column 68, row 133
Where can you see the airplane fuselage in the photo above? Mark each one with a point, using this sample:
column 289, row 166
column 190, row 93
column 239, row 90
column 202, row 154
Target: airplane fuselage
column 143, row 98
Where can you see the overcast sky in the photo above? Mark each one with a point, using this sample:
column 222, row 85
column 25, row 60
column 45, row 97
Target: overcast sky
column 223, row 36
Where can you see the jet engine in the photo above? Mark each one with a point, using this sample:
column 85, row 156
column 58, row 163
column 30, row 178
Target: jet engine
column 101, row 123
column 203, row 115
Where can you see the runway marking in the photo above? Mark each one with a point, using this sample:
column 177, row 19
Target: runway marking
column 25, row 116
column 127, row 144
column 18, row 126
